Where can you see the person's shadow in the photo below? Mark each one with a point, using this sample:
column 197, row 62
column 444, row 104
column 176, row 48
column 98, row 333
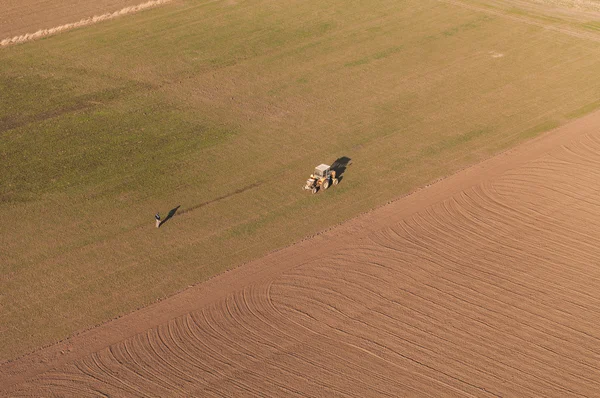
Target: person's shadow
column 170, row 215
column 340, row 165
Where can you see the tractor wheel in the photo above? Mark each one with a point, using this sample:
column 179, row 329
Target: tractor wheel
column 325, row 184
column 335, row 181
column 314, row 190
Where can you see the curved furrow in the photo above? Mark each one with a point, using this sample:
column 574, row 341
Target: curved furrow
column 348, row 317
column 98, row 374
column 565, row 355
column 225, row 351
column 416, row 337
column 492, row 238
column 549, row 226
column 459, row 284
column 593, row 141
column 185, row 353
column 532, row 183
column 265, row 333
column 522, row 216
column 321, row 353
column 492, row 346
column 137, row 359
column 359, row 331
column 162, row 354
column 368, row 311
column 337, row 334
column 438, row 234
column 68, row 384
column 195, row 342
column 131, row 360
column 319, row 372
column 278, row 332
column 584, row 152
column 249, row 338
column 580, row 241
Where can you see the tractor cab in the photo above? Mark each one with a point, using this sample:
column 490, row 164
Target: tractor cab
column 321, row 179
column 322, row 171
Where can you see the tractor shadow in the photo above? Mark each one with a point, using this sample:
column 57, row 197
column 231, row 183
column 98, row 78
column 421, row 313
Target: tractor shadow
column 339, row 166
column 170, row 215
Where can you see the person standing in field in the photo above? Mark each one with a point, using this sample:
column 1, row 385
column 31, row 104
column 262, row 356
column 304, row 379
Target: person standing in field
column 157, row 217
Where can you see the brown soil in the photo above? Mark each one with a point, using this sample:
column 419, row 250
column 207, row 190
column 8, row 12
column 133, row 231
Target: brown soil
column 483, row 284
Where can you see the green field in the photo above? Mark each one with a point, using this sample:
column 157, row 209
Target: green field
column 224, row 109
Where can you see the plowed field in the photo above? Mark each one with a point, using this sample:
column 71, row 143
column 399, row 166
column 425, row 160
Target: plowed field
column 483, row 284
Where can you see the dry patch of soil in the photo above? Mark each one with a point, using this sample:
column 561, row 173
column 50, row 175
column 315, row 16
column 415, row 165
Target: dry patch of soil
column 483, row 284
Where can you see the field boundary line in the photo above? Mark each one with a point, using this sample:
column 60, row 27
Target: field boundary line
column 83, row 22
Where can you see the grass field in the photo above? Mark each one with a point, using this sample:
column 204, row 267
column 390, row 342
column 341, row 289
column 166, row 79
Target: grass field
column 224, row 109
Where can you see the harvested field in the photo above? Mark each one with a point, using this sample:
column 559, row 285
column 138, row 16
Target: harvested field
column 483, row 284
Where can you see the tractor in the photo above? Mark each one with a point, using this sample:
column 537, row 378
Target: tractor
column 321, row 179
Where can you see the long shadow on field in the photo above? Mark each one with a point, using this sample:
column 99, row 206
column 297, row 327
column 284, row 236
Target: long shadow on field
column 175, row 212
column 236, row 192
column 170, row 215
column 340, row 165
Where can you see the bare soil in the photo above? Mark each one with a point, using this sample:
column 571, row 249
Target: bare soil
column 483, row 284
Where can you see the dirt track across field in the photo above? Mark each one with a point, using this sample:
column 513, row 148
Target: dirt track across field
column 483, row 284
column 20, row 17
column 82, row 22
